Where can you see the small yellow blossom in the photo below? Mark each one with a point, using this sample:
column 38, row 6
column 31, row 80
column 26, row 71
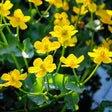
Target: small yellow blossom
column 46, row 46
column 71, row 61
column 70, row 42
column 61, row 19
column 80, row 1
column 63, row 33
column 73, row 18
column 36, row 2
column 92, row 7
column 101, row 54
column 13, row 78
column 41, row 67
column 65, row 6
column 6, row 7
column 107, row 44
column 83, row 10
column 18, row 19
column 57, row 3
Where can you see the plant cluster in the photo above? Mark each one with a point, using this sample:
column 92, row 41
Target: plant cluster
column 67, row 42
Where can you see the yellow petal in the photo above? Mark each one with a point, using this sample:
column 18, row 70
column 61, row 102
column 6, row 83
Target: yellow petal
column 23, row 26
column 6, row 77
column 48, row 60
column 80, row 59
column 18, row 13
column 26, row 18
column 23, row 76
column 32, row 69
column 37, row 62
column 41, row 74
column 63, row 60
column 16, row 84
column 51, row 68
column 110, row 28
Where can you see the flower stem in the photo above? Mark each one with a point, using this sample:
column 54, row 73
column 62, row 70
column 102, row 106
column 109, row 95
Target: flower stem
column 1, row 12
column 16, row 62
column 3, row 37
column 47, row 83
column 38, row 10
column 62, row 54
column 78, row 17
column 90, row 75
column 43, row 14
column 26, row 62
column 30, row 92
column 17, row 32
column 76, row 78
column 7, row 25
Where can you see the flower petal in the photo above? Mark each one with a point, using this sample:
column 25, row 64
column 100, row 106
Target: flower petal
column 6, row 77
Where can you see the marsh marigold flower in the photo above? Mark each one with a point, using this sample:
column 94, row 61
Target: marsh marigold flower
column 65, row 6
column 41, row 67
column 107, row 44
column 63, row 33
column 61, row 19
column 71, row 61
column 57, row 3
column 18, row 19
column 36, row 2
column 70, row 42
column 46, row 45
column 6, row 7
column 13, row 78
column 101, row 54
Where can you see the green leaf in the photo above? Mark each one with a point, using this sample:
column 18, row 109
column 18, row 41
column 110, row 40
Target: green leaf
column 12, row 43
column 71, row 85
column 38, row 86
column 27, row 51
column 60, row 81
column 72, row 101
column 39, row 99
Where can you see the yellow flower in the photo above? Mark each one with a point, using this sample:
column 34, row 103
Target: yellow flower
column 61, row 19
column 18, row 19
column 63, row 33
column 36, row 2
column 46, row 46
column 57, row 3
column 83, row 10
column 92, row 7
column 70, row 42
column 101, row 54
column 41, row 67
column 107, row 44
column 13, row 78
column 6, row 7
column 71, row 61
column 65, row 6
column 80, row 1
column 73, row 18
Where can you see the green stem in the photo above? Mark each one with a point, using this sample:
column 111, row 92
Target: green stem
column 43, row 14
column 64, row 108
column 1, row 12
column 17, row 32
column 47, row 83
column 30, row 92
column 26, row 62
column 101, row 1
column 90, row 75
column 38, row 10
column 76, row 78
column 16, row 62
column 3, row 37
column 85, row 74
column 78, row 17
column 30, row 22
column 7, row 25
column 92, row 40
column 62, row 54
